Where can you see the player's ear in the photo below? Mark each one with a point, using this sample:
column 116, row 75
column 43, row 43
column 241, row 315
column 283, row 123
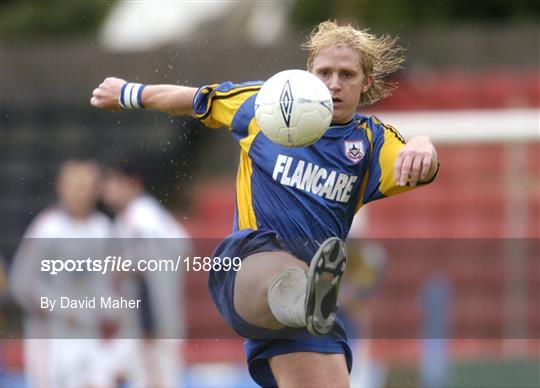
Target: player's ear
column 368, row 81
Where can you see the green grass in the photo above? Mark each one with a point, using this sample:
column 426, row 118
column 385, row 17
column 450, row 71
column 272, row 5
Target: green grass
column 477, row 374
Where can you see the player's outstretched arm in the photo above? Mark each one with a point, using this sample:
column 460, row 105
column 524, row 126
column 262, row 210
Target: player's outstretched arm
column 171, row 99
column 417, row 162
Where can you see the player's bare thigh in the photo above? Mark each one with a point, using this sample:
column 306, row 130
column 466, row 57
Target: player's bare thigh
column 308, row 369
column 252, row 282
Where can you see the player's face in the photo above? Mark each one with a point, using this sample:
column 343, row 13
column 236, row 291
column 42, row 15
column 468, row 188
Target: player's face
column 78, row 189
column 119, row 190
column 114, row 192
column 340, row 69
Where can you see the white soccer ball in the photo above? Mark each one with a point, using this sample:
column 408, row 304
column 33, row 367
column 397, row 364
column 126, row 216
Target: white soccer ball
column 294, row 108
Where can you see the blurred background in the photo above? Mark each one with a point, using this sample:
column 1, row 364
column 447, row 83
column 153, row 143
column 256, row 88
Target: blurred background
column 471, row 81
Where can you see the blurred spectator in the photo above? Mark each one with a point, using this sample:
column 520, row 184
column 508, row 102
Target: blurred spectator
column 51, row 360
column 147, row 230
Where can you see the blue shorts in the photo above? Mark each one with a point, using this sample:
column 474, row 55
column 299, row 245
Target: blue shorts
column 262, row 344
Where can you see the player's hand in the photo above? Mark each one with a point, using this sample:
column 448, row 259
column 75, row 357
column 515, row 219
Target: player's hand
column 106, row 95
column 416, row 162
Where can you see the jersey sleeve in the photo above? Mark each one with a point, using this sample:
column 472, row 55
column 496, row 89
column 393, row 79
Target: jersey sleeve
column 386, row 144
column 227, row 105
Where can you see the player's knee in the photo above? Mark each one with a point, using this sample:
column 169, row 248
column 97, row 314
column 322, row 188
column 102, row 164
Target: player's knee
column 259, row 270
column 252, row 283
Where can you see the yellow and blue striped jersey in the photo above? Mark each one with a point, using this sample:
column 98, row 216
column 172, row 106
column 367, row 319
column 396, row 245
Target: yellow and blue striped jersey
column 304, row 194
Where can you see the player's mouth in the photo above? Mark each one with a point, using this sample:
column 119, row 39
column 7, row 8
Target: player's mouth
column 336, row 100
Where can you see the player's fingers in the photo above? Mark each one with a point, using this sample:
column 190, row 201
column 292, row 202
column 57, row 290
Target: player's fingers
column 426, row 166
column 415, row 170
column 405, row 170
column 100, row 94
column 397, row 167
column 94, row 101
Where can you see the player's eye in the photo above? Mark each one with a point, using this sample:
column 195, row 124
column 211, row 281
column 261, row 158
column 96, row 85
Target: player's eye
column 324, row 73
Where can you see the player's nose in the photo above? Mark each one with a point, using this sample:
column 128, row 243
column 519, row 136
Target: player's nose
column 333, row 83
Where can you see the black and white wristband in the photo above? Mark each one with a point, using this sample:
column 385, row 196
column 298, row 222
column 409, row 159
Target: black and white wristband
column 131, row 96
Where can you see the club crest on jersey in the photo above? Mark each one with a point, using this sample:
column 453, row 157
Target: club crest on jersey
column 286, row 102
column 354, row 150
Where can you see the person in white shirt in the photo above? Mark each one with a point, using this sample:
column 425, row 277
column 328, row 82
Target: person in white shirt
column 62, row 346
column 148, row 230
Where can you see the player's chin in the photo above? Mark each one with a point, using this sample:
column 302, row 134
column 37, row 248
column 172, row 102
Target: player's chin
column 340, row 117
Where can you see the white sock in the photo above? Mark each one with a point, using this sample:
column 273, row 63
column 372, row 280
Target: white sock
column 287, row 297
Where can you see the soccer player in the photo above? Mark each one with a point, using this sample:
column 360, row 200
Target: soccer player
column 294, row 206
column 55, row 354
column 148, row 230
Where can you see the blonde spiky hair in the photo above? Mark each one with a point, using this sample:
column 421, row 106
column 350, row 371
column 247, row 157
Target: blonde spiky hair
column 379, row 56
